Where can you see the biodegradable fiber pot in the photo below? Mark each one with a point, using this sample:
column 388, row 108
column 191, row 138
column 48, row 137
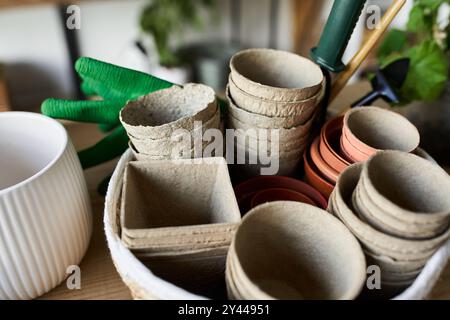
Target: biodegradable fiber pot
column 275, row 75
column 281, row 252
column 262, row 121
column 180, row 203
column 379, row 243
column 45, row 213
column 290, row 136
column 158, row 114
column 302, row 109
column 369, row 129
column 145, row 284
column 411, row 191
column 168, row 146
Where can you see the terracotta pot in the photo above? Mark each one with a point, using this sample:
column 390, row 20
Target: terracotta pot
column 370, row 129
column 279, row 194
column 247, row 189
column 314, row 178
column 322, row 165
column 344, row 152
column 330, row 144
column 350, row 151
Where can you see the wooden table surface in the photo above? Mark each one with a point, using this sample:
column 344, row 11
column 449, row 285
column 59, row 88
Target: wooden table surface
column 99, row 279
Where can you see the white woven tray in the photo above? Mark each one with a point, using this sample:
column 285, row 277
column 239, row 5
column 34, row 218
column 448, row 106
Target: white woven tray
column 144, row 284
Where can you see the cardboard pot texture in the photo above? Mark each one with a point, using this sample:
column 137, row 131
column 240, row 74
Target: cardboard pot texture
column 159, row 114
column 261, row 121
column 288, row 161
column 275, row 75
column 280, row 251
column 295, row 133
column 390, row 222
column 416, row 190
column 259, row 139
column 180, row 201
column 165, row 146
column 370, row 129
column 200, row 272
column 299, row 109
column 374, row 240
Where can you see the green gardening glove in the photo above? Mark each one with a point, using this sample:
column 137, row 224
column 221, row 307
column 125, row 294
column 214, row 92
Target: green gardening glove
column 116, row 85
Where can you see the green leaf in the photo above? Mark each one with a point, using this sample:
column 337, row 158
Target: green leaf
column 394, row 41
column 420, row 21
column 428, row 72
column 432, row 5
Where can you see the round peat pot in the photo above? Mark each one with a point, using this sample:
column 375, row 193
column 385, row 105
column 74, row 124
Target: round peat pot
column 281, row 252
column 275, row 75
column 377, row 242
column 412, row 191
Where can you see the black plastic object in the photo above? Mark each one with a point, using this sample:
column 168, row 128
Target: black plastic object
column 385, row 82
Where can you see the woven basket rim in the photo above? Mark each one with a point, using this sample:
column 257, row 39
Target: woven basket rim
column 145, row 285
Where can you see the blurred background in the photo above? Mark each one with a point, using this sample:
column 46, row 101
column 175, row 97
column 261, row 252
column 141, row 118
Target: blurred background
column 192, row 40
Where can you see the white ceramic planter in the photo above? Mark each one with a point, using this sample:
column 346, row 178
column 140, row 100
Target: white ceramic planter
column 45, row 213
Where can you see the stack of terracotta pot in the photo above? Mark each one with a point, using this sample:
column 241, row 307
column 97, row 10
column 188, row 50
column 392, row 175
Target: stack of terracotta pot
column 354, row 138
column 258, row 190
column 273, row 95
column 397, row 205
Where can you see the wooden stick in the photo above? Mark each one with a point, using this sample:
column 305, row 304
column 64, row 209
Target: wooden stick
column 4, row 100
column 361, row 55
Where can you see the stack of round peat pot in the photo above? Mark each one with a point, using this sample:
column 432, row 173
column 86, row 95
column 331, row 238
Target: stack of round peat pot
column 397, row 205
column 166, row 124
column 273, row 99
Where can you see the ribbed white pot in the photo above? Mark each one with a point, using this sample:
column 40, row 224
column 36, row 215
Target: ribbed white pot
column 45, row 213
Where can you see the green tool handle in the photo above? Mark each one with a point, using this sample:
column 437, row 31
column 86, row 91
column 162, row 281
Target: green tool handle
column 336, row 34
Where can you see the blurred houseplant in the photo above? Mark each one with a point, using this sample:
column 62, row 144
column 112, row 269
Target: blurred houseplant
column 425, row 95
column 164, row 22
column 165, row 19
